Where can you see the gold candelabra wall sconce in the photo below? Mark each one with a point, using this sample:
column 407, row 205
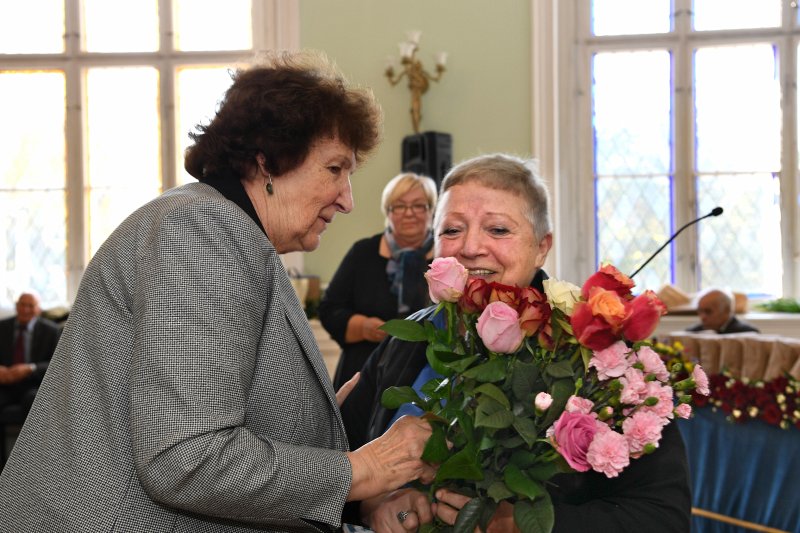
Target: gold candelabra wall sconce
column 418, row 78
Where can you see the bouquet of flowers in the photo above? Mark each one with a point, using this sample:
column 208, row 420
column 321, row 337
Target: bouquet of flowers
column 535, row 384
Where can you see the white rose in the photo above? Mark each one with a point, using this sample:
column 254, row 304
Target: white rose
column 562, row 294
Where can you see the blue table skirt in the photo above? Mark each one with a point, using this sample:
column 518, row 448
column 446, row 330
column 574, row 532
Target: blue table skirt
column 748, row 471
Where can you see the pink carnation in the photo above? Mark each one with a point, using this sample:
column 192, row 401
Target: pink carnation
column 577, row 404
column 665, row 396
column 701, row 380
column 634, row 389
column 611, row 362
column 652, row 363
column 684, row 410
column 572, row 434
column 608, row 453
column 641, row 429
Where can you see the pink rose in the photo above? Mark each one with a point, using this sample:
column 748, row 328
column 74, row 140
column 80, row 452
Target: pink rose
column 643, row 314
column 641, row 429
column 446, row 279
column 498, row 328
column 542, row 401
column 684, row 410
column 652, row 363
column 634, row 388
column 611, row 362
column 701, row 380
column 572, row 434
column 577, row 404
column 608, row 453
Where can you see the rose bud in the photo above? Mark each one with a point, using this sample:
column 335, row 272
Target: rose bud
column 446, row 279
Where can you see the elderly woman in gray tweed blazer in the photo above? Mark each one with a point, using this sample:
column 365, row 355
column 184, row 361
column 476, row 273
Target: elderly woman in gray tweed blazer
column 187, row 392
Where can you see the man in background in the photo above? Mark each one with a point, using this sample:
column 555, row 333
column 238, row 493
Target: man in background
column 27, row 343
column 716, row 312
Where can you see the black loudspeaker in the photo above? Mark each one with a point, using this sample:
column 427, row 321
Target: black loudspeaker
column 429, row 153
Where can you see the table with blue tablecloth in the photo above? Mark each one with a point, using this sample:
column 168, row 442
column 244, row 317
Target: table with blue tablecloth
column 746, row 472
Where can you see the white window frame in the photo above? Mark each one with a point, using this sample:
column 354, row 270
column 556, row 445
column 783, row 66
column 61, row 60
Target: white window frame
column 562, row 136
column 276, row 25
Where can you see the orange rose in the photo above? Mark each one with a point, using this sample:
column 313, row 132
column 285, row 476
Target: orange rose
column 609, row 305
column 476, row 296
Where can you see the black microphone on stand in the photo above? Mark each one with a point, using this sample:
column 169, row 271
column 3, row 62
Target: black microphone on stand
column 717, row 211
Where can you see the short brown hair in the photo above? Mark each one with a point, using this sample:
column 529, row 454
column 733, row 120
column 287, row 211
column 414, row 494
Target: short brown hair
column 280, row 107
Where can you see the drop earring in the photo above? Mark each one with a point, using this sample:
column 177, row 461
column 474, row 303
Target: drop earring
column 269, row 185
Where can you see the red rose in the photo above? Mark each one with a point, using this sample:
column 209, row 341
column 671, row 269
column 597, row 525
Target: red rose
column 590, row 330
column 476, row 296
column 611, row 279
column 508, row 294
column 643, row 314
column 771, row 414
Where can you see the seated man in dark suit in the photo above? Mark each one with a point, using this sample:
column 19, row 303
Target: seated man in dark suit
column 27, row 342
column 716, row 312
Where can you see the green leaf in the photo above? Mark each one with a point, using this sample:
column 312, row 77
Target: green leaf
column 494, row 370
column 469, row 516
column 432, row 353
column 460, row 365
column 561, row 390
column 436, row 450
column 498, row 491
column 493, row 392
column 586, row 355
column 561, row 369
column 407, row 330
column 518, row 482
column 492, row 414
column 524, row 379
column 394, row 397
column 543, row 471
column 536, row 517
column 522, row 459
column 461, row 465
column 526, row 429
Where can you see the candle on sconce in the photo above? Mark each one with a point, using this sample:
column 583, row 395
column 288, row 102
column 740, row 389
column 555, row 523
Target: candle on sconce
column 418, row 78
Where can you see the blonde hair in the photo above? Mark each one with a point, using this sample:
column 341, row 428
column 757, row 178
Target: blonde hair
column 401, row 184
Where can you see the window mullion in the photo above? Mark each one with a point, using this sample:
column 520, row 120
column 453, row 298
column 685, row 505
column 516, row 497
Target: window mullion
column 789, row 185
column 166, row 94
column 684, row 200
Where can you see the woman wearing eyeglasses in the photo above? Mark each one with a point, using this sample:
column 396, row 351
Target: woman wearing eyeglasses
column 381, row 277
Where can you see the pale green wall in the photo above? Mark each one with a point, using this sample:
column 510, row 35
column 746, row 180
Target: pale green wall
column 483, row 101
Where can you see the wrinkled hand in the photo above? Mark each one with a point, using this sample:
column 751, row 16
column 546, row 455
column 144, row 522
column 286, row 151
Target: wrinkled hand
column 370, row 331
column 380, row 513
column 391, row 460
column 345, row 390
column 449, row 503
column 15, row 373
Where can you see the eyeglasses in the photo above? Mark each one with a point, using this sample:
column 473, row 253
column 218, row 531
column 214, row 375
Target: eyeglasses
column 417, row 209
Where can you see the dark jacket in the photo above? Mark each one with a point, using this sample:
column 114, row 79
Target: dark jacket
column 44, row 339
column 733, row 326
column 651, row 495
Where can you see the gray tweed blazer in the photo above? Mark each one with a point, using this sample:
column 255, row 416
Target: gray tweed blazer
column 187, row 392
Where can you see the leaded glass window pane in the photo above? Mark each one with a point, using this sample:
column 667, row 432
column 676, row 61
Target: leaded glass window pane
column 121, row 25
column 738, row 108
column 735, row 14
column 124, row 154
column 633, row 217
column 32, row 169
column 631, row 123
column 32, row 27
column 207, row 25
column 199, row 90
column 741, row 249
column 629, row 17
